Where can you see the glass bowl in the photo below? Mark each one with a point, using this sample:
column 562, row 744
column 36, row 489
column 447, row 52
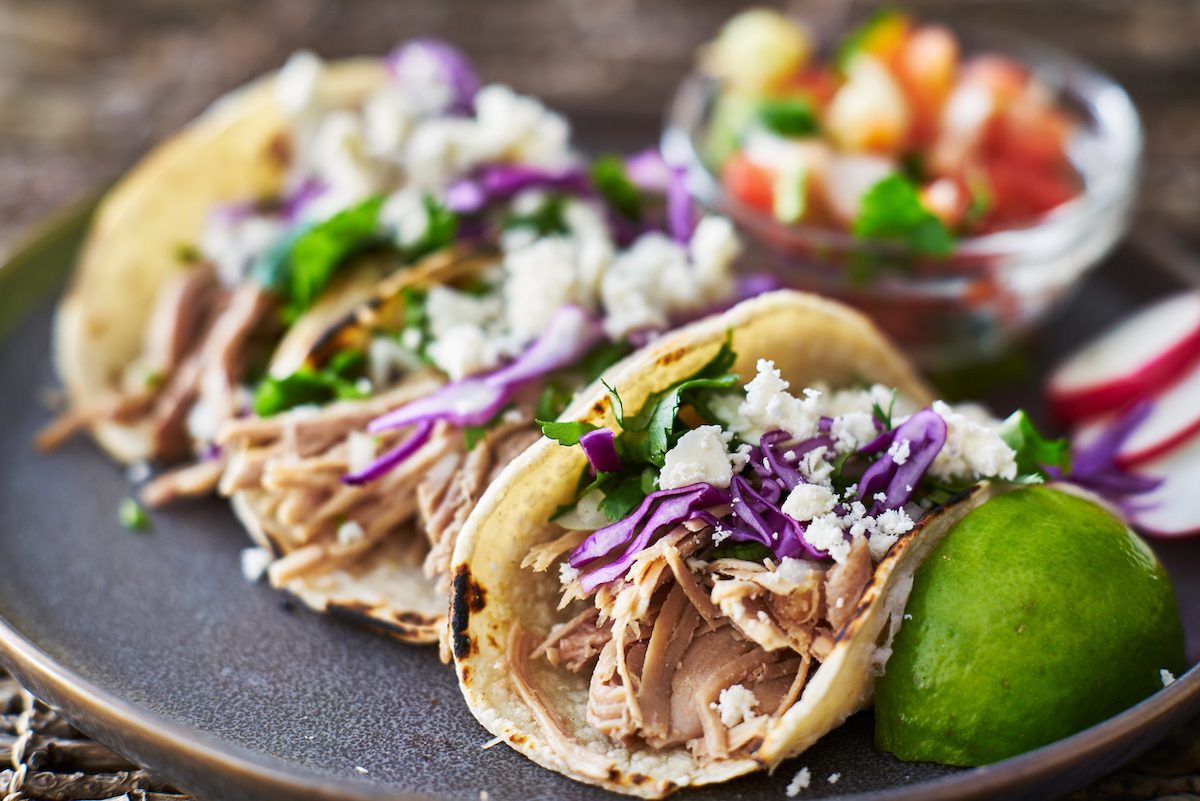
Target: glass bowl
column 974, row 305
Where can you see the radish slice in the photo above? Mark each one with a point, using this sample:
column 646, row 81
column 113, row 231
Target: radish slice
column 1174, row 419
column 1172, row 510
column 1136, row 359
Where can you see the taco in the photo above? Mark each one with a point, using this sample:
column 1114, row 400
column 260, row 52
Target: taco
column 705, row 584
column 417, row 236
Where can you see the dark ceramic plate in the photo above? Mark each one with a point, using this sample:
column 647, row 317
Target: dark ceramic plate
column 155, row 645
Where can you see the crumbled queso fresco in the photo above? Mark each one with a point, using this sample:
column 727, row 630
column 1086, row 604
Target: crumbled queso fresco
column 973, row 449
column 409, row 139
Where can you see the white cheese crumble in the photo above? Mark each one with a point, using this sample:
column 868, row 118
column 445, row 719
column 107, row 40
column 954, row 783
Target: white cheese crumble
column 255, row 562
column 539, row 279
column 853, row 431
column 900, row 451
column 799, row 782
column 770, row 406
column 735, row 704
column 793, row 570
column 808, row 501
column 972, row 449
column 833, row 777
column 700, row 456
column 1167, row 678
column 464, row 350
column 350, row 534
column 360, row 450
column 815, row 469
column 567, row 574
column 825, row 534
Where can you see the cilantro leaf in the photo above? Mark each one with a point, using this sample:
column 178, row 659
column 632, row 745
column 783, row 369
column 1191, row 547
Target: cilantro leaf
column 566, row 433
column 610, row 179
column 792, row 116
column 440, row 230
column 546, row 220
column 319, row 251
column 884, row 418
column 892, row 210
column 748, row 551
column 553, row 401
column 602, row 357
column 275, row 395
column 1034, row 452
column 623, row 497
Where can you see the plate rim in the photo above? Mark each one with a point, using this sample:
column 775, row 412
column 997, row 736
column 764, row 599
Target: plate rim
column 175, row 750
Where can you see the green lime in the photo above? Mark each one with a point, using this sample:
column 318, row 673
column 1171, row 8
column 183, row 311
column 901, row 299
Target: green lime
column 1038, row 615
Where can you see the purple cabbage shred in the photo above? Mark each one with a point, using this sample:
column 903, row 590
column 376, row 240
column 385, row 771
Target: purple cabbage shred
column 1095, row 466
column 658, row 512
column 601, row 451
column 925, row 432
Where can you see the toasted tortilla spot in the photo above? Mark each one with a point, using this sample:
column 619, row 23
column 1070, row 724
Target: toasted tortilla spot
column 598, row 407
column 281, row 150
column 639, row 778
column 518, row 739
column 672, row 357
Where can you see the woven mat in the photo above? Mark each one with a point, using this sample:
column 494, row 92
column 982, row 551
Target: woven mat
column 51, row 760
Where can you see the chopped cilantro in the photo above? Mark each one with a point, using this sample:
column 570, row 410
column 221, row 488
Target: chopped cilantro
column 132, row 515
column 272, row 269
column 610, row 179
column 440, row 230
column 275, row 395
column 1034, row 452
column 791, row 116
column 546, row 220
column 892, row 210
column 884, row 418
column 349, row 364
column 912, row 166
column 554, row 399
column 566, row 433
column 318, row 252
column 648, row 435
column 602, row 357
column 748, row 551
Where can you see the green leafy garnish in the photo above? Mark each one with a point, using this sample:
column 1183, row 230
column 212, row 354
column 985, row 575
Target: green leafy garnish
column 747, row 551
column 1034, row 452
column 318, row 252
column 892, row 210
column 610, row 179
column 305, row 386
column 602, row 357
column 884, row 418
column 982, row 201
column 554, row 399
column 440, row 230
column 546, row 220
column 132, row 515
column 566, row 433
column 348, row 364
column 627, row 492
column 648, row 435
column 792, row 116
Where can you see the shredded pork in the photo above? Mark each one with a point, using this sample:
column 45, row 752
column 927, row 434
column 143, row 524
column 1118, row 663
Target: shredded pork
column 686, row 651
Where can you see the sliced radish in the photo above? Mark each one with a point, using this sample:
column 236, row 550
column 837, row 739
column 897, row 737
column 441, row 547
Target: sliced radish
column 1136, row 359
column 1172, row 510
column 1174, row 419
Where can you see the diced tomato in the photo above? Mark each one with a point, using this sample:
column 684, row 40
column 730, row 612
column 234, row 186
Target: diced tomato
column 1029, row 134
column 749, row 182
column 1004, row 79
column 926, row 68
column 815, row 84
column 1022, row 194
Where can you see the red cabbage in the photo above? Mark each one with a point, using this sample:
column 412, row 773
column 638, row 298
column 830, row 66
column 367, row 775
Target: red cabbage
column 659, row 511
column 926, row 434
column 474, row 401
column 601, row 450
column 648, row 171
column 1095, row 466
column 762, row 521
column 501, row 181
column 393, row 457
column 681, row 218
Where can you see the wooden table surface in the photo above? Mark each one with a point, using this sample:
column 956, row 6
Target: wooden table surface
column 87, row 87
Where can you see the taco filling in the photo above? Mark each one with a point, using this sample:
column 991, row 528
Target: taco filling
column 723, row 538
column 359, row 354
